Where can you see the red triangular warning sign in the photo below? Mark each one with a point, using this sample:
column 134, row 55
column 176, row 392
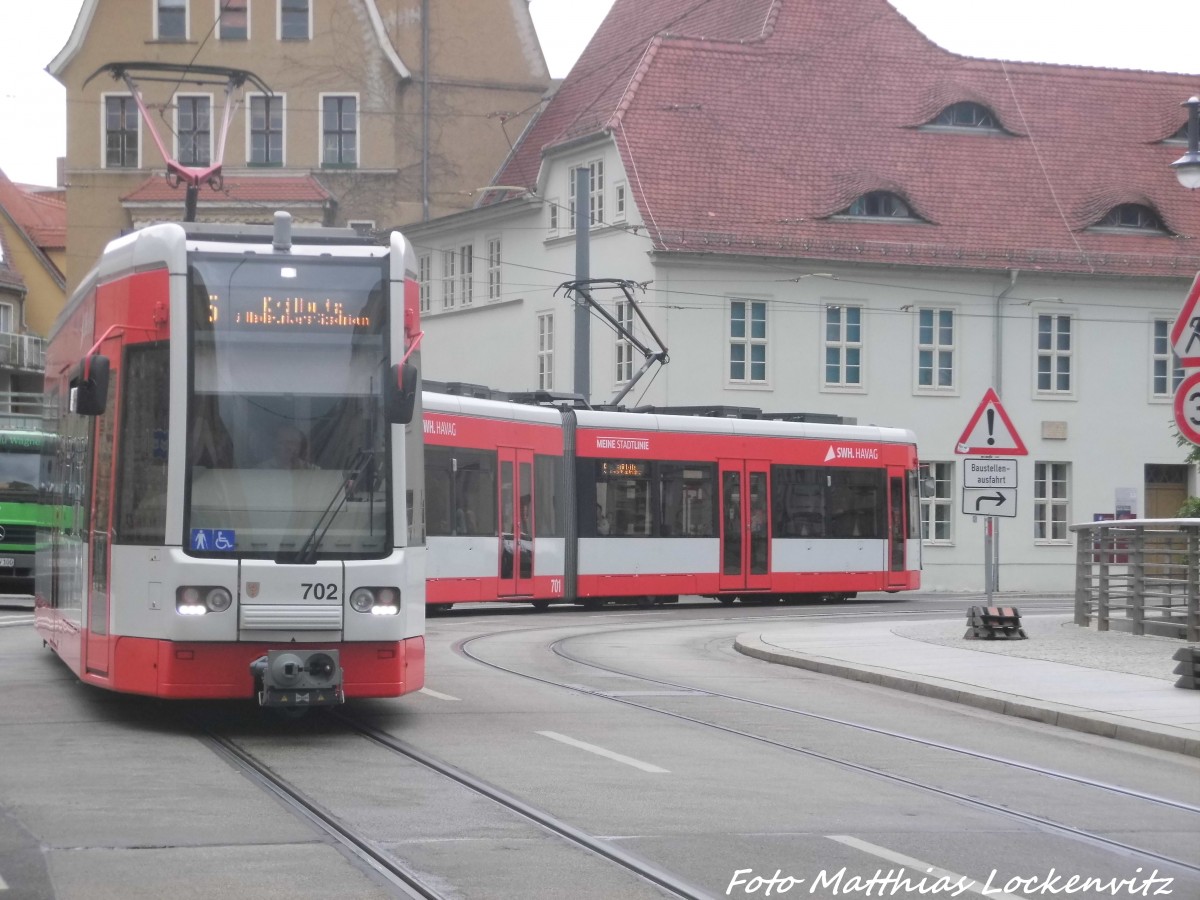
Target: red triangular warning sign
column 990, row 431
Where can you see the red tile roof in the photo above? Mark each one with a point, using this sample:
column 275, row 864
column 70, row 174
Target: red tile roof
column 41, row 213
column 744, row 125
column 237, row 189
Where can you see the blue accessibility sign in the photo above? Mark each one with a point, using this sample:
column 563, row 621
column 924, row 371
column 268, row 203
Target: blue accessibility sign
column 214, row 539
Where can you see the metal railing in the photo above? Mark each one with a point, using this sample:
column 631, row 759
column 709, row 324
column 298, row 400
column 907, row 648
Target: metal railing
column 23, row 410
column 1141, row 576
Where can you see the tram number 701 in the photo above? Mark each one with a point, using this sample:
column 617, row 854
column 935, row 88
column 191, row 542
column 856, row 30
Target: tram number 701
column 319, row 591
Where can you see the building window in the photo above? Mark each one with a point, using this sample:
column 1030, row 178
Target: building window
column 424, row 279
column 339, row 131
column 966, row 115
column 294, row 22
column 552, row 210
column 193, row 130
column 1132, row 217
column 843, row 346
column 449, row 278
column 935, row 349
column 619, row 202
column 172, row 20
column 879, row 205
column 1166, row 373
column 7, row 311
column 748, row 341
column 493, row 271
column 120, row 133
column 466, row 273
column 545, row 356
column 1051, row 496
column 1054, row 354
column 937, row 497
column 624, row 317
column 234, row 20
column 595, row 195
column 266, row 130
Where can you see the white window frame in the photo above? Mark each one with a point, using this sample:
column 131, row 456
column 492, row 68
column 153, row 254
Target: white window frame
column 845, row 346
column 1054, row 354
column 553, row 217
column 449, row 278
column 941, row 501
column 1051, row 513
column 495, row 286
column 8, row 311
column 620, row 197
column 623, row 371
column 178, row 130
column 283, row 114
column 104, row 98
column 279, row 22
column 466, row 274
column 340, row 95
column 747, row 341
column 217, row 15
column 425, row 281
column 187, row 22
column 936, row 349
column 595, row 169
column 545, row 351
column 1162, row 356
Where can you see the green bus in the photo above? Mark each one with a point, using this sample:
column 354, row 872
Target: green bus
column 21, row 514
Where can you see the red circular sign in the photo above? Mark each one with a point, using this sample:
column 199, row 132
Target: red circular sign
column 1187, row 408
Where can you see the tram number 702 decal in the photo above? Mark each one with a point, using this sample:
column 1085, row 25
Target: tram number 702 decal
column 319, row 591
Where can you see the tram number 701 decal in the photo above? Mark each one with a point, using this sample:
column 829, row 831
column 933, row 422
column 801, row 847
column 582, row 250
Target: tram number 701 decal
column 319, row 591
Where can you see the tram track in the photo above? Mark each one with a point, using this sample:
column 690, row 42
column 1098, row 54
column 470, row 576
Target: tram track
column 403, row 879
column 1043, row 823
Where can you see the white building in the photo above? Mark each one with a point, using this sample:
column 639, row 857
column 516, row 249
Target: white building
column 836, row 216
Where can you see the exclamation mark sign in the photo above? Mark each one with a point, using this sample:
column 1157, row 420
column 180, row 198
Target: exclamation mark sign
column 991, row 417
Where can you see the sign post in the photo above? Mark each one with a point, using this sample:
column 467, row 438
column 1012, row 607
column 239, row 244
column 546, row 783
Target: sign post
column 989, row 479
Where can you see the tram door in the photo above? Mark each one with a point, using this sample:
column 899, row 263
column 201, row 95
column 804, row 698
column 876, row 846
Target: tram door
column 96, row 658
column 516, row 522
column 897, row 528
column 745, row 525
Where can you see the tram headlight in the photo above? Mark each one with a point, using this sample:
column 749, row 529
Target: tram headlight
column 378, row 601
column 197, row 600
column 219, row 599
column 362, row 599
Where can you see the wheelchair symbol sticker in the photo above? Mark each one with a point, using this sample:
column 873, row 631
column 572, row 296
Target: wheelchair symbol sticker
column 214, row 539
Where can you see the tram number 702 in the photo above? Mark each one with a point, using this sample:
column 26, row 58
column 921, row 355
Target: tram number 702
column 319, row 591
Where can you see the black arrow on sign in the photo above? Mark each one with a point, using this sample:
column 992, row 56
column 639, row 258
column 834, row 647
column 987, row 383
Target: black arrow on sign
column 997, row 498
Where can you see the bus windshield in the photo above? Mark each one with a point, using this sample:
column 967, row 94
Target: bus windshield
column 287, row 449
column 20, row 464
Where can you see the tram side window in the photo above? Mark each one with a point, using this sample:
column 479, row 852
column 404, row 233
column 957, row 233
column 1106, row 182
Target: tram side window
column 548, row 491
column 141, row 513
column 623, row 502
column 856, row 503
column 460, row 491
column 798, row 495
column 686, row 491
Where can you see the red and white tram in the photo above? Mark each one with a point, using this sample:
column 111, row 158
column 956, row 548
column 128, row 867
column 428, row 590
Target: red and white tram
column 543, row 504
column 237, row 500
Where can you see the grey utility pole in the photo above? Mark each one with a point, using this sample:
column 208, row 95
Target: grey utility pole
column 583, row 332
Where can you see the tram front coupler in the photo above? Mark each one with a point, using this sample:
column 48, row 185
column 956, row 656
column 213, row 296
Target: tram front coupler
column 298, row 678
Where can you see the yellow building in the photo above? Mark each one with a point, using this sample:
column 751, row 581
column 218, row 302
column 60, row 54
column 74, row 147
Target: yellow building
column 372, row 113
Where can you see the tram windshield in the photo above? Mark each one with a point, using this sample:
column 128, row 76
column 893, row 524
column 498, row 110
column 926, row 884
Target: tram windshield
column 287, row 450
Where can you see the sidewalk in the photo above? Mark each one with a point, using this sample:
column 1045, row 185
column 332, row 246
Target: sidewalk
column 1107, row 683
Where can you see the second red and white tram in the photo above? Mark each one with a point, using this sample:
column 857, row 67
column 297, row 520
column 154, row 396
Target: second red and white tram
column 544, row 504
column 237, row 498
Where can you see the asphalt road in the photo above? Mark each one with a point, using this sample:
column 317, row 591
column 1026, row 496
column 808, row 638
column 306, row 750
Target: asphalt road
column 641, row 729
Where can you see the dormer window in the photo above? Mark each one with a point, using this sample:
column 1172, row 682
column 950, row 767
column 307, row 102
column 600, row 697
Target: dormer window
column 966, row 115
column 1132, row 217
column 879, row 205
